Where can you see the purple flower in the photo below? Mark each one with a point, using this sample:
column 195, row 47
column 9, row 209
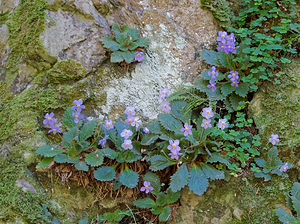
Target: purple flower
column 234, row 49
column 54, row 130
column 175, row 153
column 213, row 73
column 187, row 129
column 49, row 119
column 127, row 144
column 233, row 75
column 274, row 138
column 126, row 133
column 207, row 113
column 230, row 38
column 173, row 145
column 135, row 122
column 223, row 124
column 212, row 85
column 102, row 142
column 234, row 82
column 229, row 47
column 165, row 106
column 222, row 36
column 78, row 105
column 221, row 46
column 147, row 187
column 146, row 130
column 139, row 56
column 129, row 120
column 206, row 123
column 163, row 93
column 76, row 116
column 108, row 124
column 284, row 168
column 130, row 111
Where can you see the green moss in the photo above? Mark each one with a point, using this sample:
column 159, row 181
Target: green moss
column 65, row 71
column 14, row 203
column 69, row 6
column 276, row 110
column 4, row 17
column 257, row 196
column 25, row 27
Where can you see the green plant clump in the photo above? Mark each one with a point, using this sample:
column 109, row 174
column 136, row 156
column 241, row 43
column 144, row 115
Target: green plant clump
column 125, row 44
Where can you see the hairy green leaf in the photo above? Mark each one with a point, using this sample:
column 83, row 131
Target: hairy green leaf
column 159, row 162
column 87, row 130
column 198, row 182
column 155, row 127
column 49, row 151
column 68, row 137
column 109, row 43
column 212, row 173
column 227, row 88
column 165, row 214
column 161, row 199
column 45, row 163
column 129, row 178
column 179, row 108
column 95, row 158
column 172, row 197
column 169, row 122
column 243, row 89
column 215, row 157
column 144, row 203
column 128, row 56
column 263, row 175
column 68, row 119
column 109, row 153
column 179, row 178
column 105, row 173
column 80, row 165
column 210, row 57
column 116, row 56
column 149, row 139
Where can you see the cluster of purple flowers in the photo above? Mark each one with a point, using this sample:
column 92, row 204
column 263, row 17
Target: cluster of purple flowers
column 174, row 148
column 133, row 121
column 78, row 107
column 207, row 113
column 51, row 121
column 213, row 73
column 102, row 142
column 127, row 142
column 165, row 105
column 226, row 42
column 139, row 56
column 233, row 76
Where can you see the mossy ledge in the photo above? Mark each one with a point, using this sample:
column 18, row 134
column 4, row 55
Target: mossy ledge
column 25, row 27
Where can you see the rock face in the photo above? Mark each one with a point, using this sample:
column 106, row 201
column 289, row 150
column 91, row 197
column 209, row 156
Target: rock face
column 67, row 36
column 79, row 67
